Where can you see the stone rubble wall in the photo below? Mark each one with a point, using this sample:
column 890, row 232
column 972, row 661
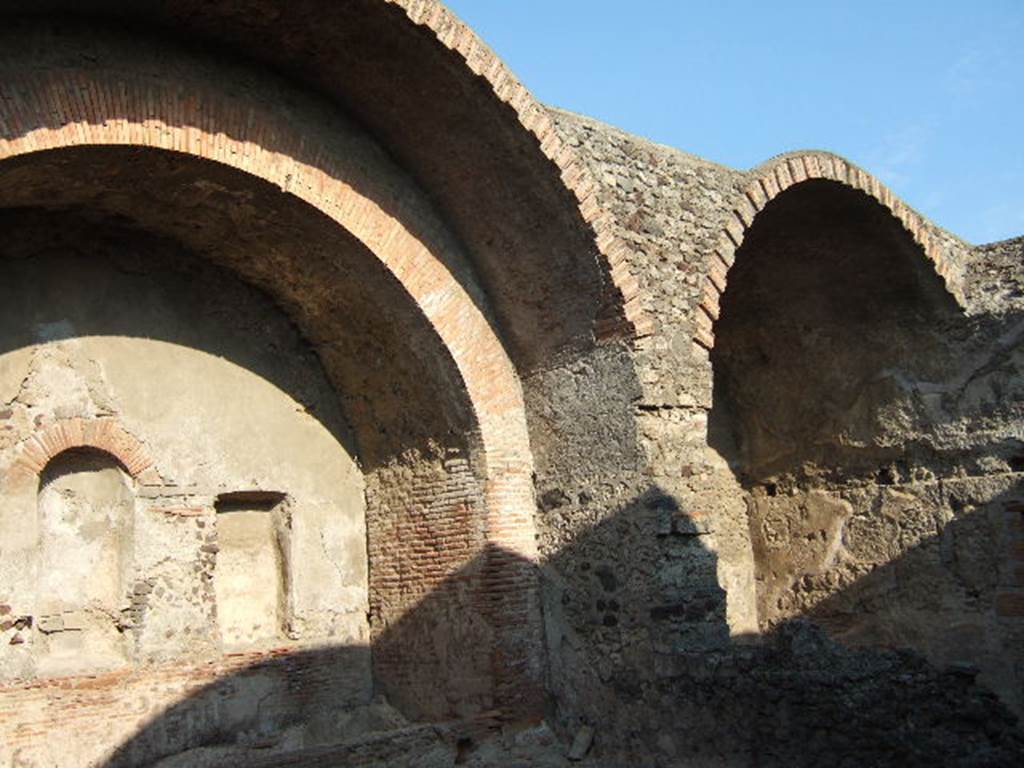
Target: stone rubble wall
column 691, row 602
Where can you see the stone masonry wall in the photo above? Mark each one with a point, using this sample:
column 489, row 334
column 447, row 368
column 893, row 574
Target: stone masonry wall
column 678, row 623
column 668, row 206
column 868, row 418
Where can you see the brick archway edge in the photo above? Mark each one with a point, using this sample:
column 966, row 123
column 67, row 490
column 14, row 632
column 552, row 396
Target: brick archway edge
column 97, row 107
column 103, row 434
column 771, row 179
column 626, row 316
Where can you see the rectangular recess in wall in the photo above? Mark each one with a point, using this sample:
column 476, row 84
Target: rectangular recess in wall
column 249, row 577
column 253, row 501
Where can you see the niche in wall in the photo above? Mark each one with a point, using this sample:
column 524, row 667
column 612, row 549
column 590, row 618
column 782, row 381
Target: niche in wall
column 250, row 579
column 86, row 513
column 833, row 328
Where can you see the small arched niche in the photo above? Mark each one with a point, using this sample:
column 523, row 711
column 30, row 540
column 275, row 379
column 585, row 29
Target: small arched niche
column 86, row 508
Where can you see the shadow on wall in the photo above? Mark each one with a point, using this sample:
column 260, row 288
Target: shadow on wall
column 102, row 319
column 148, row 206
column 289, row 707
column 832, row 327
column 555, row 249
column 645, row 644
column 644, row 641
column 639, row 648
column 873, row 428
column 953, row 594
column 66, row 282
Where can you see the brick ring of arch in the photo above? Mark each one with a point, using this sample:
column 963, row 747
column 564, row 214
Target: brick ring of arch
column 235, row 134
column 627, row 313
column 776, row 176
column 101, row 433
column 101, row 113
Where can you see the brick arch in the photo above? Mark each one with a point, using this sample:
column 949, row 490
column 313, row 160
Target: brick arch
column 49, row 108
column 439, row 76
column 102, row 108
column 625, row 315
column 768, row 181
column 103, row 434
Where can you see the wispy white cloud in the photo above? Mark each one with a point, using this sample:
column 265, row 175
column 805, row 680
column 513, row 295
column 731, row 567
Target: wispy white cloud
column 967, row 72
column 896, row 155
column 977, row 70
column 1001, row 221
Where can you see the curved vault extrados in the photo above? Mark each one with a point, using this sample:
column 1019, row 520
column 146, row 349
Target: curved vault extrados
column 770, row 180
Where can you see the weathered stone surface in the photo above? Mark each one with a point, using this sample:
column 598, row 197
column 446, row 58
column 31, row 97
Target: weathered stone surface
column 333, row 365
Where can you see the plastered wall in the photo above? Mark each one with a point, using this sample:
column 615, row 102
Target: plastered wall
column 112, row 556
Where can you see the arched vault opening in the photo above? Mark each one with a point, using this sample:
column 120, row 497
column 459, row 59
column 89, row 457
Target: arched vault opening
column 348, row 249
column 828, row 305
column 830, row 328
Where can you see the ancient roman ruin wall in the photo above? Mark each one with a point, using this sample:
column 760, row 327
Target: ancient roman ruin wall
column 891, row 525
column 633, row 615
column 763, row 184
column 777, row 515
column 438, row 101
column 433, row 483
column 625, row 315
column 992, row 278
column 873, row 423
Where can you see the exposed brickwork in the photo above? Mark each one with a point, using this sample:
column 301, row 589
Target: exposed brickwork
column 1009, row 602
column 94, row 715
column 626, row 316
column 434, row 511
column 103, row 434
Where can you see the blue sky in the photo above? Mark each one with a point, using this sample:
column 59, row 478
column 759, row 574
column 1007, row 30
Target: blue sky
column 929, row 96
